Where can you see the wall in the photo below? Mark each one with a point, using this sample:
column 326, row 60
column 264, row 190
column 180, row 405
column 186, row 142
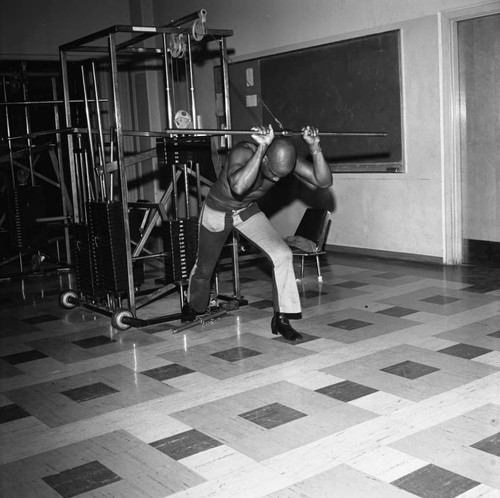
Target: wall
column 37, row 28
column 395, row 213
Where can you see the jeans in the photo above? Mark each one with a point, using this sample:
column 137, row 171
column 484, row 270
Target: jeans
column 214, row 229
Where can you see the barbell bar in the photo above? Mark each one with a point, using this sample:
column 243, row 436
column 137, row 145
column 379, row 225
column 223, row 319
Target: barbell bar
column 283, row 133
column 215, row 132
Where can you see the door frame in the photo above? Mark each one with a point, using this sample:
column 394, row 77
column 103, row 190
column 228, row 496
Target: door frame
column 450, row 126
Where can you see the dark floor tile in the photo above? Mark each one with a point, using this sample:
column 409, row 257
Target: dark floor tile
column 489, row 445
column 272, row 415
column 81, row 479
column 397, row 311
column 25, row 356
column 435, row 482
column 185, row 444
column 465, row 351
column 263, row 304
column 351, row 284
column 8, row 413
column 236, row 354
column 409, row 369
column 495, row 334
column 349, row 324
column 93, row 342
column 388, row 275
column 167, row 372
column 89, row 392
column 34, row 320
column 440, row 300
column 346, row 391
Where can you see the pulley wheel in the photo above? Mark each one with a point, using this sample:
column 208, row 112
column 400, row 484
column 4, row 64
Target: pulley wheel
column 199, row 30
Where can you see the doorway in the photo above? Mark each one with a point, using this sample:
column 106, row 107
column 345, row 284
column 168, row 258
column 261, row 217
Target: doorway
column 478, row 42
column 459, row 197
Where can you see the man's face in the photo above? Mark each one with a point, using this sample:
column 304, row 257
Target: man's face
column 269, row 172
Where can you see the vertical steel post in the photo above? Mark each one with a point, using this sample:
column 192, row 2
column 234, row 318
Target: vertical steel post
column 225, row 89
column 62, row 184
column 90, row 136
column 102, row 150
column 29, row 140
column 7, row 122
column 174, row 190
column 122, row 174
column 227, row 114
column 71, row 153
column 186, row 189
column 168, row 88
column 191, row 84
column 198, row 187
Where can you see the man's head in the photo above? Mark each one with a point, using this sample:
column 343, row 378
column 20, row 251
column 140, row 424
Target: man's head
column 279, row 160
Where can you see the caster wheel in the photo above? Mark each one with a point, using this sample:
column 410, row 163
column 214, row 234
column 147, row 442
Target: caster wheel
column 117, row 318
column 67, row 299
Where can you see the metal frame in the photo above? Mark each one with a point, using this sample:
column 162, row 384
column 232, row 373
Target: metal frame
column 33, row 152
column 118, row 163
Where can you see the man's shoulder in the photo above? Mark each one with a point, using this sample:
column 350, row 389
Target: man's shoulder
column 243, row 149
column 246, row 145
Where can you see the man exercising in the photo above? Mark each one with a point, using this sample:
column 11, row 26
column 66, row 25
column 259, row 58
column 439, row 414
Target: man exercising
column 251, row 170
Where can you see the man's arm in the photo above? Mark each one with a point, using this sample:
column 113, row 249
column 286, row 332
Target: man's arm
column 318, row 172
column 244, row 166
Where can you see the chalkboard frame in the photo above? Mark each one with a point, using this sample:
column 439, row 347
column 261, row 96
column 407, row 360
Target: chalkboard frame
column 279, row 96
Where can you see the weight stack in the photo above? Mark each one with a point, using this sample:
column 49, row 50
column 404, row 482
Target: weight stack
column 181, row 246
column 86, row 271
column 107, row 230
column 26, row 204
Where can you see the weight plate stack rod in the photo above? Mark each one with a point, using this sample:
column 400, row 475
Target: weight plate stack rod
column 181, row 245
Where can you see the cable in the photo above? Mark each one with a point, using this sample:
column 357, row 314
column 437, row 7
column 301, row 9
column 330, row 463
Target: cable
column 261, row 100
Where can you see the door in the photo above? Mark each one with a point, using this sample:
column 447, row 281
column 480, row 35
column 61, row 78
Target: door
column 479, row 109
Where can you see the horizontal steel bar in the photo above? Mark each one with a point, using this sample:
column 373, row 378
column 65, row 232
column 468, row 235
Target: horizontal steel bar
column 283, row 133
column 49, row 219
column 149, row 30
column 47, row 102
column 36, row 134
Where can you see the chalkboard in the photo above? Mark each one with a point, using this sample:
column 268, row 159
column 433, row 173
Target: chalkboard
column 348, row 86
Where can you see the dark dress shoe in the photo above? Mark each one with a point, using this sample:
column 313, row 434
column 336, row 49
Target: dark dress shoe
column 281, row 325
column 188, row 313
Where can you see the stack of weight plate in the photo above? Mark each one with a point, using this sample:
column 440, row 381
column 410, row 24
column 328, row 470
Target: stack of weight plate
column 26, row 203
column 108, row 236
column 181, row 150
column 181, row 245
column 15, row 218
column 86, row 278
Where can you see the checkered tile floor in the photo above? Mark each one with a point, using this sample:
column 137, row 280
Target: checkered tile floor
column 394, row 391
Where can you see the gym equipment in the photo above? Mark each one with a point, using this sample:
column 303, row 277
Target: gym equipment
column 204, row 319
column 110, row 243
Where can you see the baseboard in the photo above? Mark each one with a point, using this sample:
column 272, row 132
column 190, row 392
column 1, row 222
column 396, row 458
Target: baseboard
column 358, row 251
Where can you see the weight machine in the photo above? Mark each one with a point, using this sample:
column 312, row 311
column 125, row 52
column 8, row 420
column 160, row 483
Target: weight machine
column 35, row 160
column 109, row 250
